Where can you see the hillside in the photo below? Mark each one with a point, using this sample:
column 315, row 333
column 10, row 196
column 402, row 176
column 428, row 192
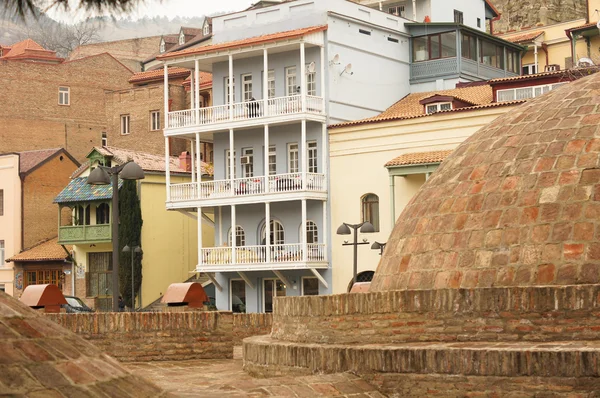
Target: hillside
column 524, row 13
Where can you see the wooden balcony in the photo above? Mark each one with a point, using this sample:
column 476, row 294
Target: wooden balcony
column 245, row 114
column 83, row 234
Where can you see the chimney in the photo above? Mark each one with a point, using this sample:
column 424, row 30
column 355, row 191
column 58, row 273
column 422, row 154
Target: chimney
column 185, row 161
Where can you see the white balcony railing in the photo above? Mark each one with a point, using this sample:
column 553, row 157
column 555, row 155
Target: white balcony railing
column 279, row 183
column 248, row 110
column 262, row 254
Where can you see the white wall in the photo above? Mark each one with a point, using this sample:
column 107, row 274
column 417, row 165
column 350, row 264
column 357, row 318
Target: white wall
column 10, row 222
column 443, row 11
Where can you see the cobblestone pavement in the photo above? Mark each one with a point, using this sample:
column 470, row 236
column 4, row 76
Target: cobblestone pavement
column 225, row 378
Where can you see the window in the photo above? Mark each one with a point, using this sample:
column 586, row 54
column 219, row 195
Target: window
column 81, row 215
column 312, row 157
column 104, row 139
column 491, row 54
column 246, row 87
column 293, row 158
column 43, row 277
column 248, row 162
column 312, row 232
column 290, row 81
column 240, row 237
column 1, row 202
column 310, row 286
column 154, row 120
column 370, row 209
column 397, row 10
column 2, row 264
column 277, row 233
column 206, row 29
column 210, row 157
column 272, row 160
column 311, row 82
column 468, row 47
column 479, row 22
column 393, row 40
column 271, row 83
column 441, row 106
column 226, row 91
column 442, row 45
column 64, row 94
column 181, row 38
column 364, row 32
column 103, row 213
column 163, row 46
column 125, row 124
column 227, row 168
column 458, row 16
column 529, row 69
column 237, row 295
column 521, row 93
column 272, row 288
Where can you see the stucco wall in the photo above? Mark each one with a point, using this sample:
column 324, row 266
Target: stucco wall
column 10, row 222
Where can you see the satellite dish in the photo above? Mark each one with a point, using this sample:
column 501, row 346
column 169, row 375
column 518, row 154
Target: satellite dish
column 348, row 70
column 335, row 60
column 311, row 67
column 598, row 24
column 583, row 62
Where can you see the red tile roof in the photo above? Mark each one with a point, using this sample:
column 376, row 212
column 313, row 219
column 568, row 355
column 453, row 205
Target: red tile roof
column 419, row 158
column 29, row 49
column 535, row 76
column 524, row 38
column 583, row 27
column 158, row 74
column 272, row 37
column 205, row 80
column 30, row 159
column 46, row 251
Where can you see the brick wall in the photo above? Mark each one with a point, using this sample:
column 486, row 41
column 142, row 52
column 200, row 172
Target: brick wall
column 154, row 336
column 493, row 314
column 31, row 117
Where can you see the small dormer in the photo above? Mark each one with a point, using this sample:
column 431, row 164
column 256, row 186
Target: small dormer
column 206, row 27
column 438, row 103
column 181, row 37
column 163, row 45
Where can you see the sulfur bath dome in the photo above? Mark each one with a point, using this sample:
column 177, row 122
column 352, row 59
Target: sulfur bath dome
column 516, row 204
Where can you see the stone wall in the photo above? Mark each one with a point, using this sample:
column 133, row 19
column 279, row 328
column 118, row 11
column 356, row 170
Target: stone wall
column 156, row 336
column 528, row 13
column 494, row 314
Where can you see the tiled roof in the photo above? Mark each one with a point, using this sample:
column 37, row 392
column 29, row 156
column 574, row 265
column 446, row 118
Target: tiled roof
column 49, row 250
column 79, row 190
column 171, row 39
column 524, row 38
column 582, row 27
column 30, row 49
column 158, row 74
column 419, row 158
column 29, row 159
column 205, row 80
column 191, row 31
column 272, row 37
column 532, row 76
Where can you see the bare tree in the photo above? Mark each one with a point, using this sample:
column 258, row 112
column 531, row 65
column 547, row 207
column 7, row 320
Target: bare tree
column 64, row 38
column 22, row 7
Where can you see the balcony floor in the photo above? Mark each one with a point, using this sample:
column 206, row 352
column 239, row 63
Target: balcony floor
column 263, row 267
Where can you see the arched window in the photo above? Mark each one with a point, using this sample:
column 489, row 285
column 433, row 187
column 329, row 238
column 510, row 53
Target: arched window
column 365, row 276
column 240, row 237
column 370, row 209
column 103, row 213
column 81, row 215
column 312, row 232
column 277, row 233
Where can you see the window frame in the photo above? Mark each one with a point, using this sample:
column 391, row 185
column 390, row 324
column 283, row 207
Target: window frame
column 291, row 168
column 314, row 231
column 226, row 91
column 227, row 171
column 368, row 208
column 271, row 82
column 289, row 77
column 311, row 82
column 155, row 120
column 246, row 94
column 278, row 234
column 302, row 293
column 460, row 15
column 206, row 29
column 312, row 155
column 438, row 106
column 104, row 139
column 62, row 95
column 181, row 38
column 400, row 10
column 231, row 294
column 240, row 233
column 127, row 125
column 275, row 281
column 272, row 160
column 248, row 169
column 428, row 46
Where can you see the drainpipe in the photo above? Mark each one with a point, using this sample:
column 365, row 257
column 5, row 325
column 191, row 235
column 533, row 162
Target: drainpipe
column 545, row 49
column 535, row 57
column 414, row 2
column 573, row 41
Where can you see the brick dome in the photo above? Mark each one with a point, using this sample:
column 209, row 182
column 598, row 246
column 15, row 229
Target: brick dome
column 39, row 358
column 516, row 204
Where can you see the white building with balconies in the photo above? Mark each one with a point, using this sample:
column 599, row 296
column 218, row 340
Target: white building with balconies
column 280, row 75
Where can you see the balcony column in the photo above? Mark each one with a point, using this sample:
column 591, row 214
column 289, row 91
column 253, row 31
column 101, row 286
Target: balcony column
column 231, row 162
column 167, row 169
column 166, row 95
column 266, row 160
column 200, row 257
column 197, row 92
column 303, row 232
column 233, row 235
column 265, row 82
column 230, row 88
column 192, row 151
column 322, row 91
column 268, row 230
column 303, row 76
column 220, row 226
column 324, row 152
column 324, row 234
column 198, row 163
column 192, row 91
column 303, row 160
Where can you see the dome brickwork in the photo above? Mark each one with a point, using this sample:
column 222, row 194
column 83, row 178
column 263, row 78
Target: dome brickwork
column 516, row 204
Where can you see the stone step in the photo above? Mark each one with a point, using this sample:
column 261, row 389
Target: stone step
column 264, row 356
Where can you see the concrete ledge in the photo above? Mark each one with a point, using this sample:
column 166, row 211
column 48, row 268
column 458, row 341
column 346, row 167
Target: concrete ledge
column 264, row 356
column 549, row 313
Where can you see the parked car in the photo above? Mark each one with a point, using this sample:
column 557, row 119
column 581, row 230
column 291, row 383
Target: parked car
column 75, row 305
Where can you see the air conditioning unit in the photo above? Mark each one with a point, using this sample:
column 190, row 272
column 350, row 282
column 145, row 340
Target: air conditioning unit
column 246, row 159
column 552, row 68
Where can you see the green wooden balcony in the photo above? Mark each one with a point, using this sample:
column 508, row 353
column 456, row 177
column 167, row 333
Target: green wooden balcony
column 83, row 234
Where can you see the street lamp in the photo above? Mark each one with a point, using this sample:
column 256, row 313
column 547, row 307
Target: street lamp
column 103, row 175
column 346, row 229
column 378, row 246
column 138, row 250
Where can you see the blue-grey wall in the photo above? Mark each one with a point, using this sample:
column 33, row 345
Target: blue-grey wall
column 443, row 11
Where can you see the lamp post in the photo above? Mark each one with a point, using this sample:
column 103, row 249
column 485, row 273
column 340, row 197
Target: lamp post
column 346, row 229
column 103, row 175
column 378, row 246
column 138, row 250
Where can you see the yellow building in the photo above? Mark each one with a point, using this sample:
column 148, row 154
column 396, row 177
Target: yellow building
column 585, row 39
column 378, row 164
column 167, row 240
